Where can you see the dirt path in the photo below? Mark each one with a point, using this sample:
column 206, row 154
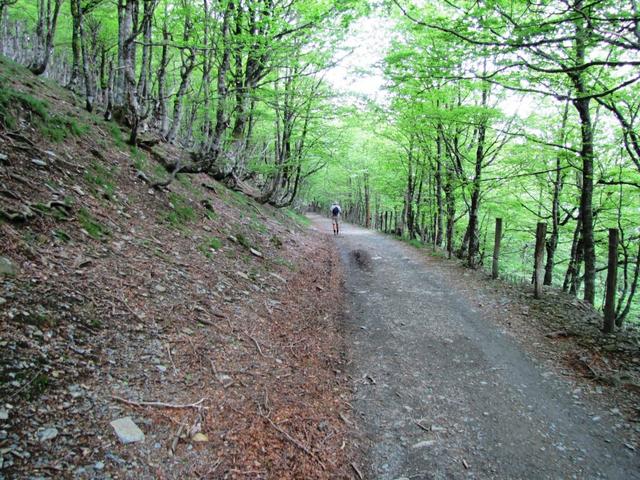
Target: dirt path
column 442, row 392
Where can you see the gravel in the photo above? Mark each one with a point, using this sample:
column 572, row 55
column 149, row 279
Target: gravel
column 454, row 396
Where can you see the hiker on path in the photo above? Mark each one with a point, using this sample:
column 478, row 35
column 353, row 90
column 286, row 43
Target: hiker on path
column 335, row 217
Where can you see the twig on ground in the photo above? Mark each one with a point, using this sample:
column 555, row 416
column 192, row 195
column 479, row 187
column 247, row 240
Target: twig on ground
column 294, row 441
column 197, row 404
column 175, row 370
column 358, row 472
column 422, row 426
column 213, row 468
column 204, row 321
column 26, row 384
column 176, row 439
column 257, row 345
column 124, row 302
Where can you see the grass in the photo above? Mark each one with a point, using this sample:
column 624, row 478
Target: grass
column 259, row 226
column 301, row 220
column 139, row 159
column 101, row 178
column 38, row 386
column 56, row 128
column 242, row 240
column 181, row 212
column 61, row 235
column 211, row 243
column 116, row 134
column 284, row 263
column 275, row 241
column 416, row 243
column 59, row 214
column 94, row 228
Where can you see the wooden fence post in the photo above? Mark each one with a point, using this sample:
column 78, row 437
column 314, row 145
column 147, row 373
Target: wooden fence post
column 612, row 283
column 496, row 249
column 538, row 274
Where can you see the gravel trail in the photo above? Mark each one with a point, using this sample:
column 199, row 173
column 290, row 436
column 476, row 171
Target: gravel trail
column 442, row 393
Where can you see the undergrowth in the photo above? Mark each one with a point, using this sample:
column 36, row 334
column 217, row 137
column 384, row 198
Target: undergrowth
column 181, row 212
column 92, row 226
column 56, row 128
column 100, row 177
column 211, row 243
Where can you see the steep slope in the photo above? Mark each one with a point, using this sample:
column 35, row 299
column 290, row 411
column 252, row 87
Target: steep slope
column 207, row 319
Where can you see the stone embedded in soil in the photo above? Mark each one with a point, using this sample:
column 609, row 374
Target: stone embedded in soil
column 200, row 437
column 127, row 431
column 7, row 267
column 423, row 444
column 47, row 434
column 243, row 275
column 39, row 163
column 255, row 252
column 4, row 414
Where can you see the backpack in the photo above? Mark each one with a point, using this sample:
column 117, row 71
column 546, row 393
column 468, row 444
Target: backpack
column 335, row 211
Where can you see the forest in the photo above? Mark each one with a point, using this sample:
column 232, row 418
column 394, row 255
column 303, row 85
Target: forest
column 510, row 109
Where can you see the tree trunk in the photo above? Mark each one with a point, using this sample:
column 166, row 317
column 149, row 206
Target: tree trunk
column 473, row 229
column 45, row 33
column 552, row 242
column 221, row 119
column 438, row 187
column 367, row 202
column 76, row 19
column 586, row 153
column 161, row 106
column 188, row 64
column 538, row 269
column 612, row 279
column 206, row 75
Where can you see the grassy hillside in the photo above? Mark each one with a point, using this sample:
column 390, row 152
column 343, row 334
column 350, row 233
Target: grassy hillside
column 112, row 294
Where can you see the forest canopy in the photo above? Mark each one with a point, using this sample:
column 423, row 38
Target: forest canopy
column 526, row 112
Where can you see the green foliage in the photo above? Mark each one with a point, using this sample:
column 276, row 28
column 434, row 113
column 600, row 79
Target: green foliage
column 140, row 161
column 259, row 226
